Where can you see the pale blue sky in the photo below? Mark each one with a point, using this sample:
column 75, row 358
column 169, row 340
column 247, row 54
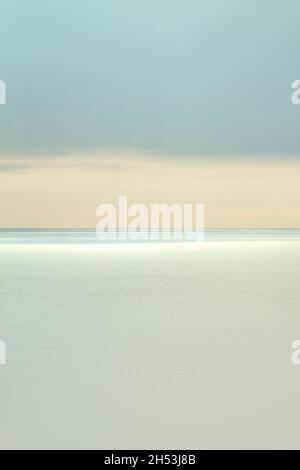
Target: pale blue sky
column 184, row 77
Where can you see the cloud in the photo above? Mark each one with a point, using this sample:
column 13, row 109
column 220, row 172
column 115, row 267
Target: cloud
column 64, row 192
column 8, row 167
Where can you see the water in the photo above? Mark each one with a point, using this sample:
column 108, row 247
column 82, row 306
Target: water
column 79, row 236
column 156, row 345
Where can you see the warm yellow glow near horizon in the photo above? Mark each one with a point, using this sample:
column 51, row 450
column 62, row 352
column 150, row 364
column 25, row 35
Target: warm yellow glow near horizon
column 64, row 191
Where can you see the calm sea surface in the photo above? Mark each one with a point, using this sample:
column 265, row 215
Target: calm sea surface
column 149, row 345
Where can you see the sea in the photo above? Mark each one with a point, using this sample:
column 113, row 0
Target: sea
column 149, row 344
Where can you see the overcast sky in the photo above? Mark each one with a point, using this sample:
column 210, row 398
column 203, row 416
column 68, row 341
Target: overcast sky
column 162, row 100
column 183, row 77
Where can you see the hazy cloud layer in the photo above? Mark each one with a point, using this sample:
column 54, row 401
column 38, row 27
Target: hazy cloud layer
column 60, row 193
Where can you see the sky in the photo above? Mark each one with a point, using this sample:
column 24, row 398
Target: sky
column 130, row 85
